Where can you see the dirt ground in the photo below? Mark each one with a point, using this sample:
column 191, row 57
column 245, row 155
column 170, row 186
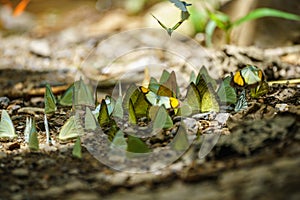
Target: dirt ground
column 257, row 158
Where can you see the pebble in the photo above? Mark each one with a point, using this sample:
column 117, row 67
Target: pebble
column 46, row 162
column 40, row 48
column 2, row 154
column 75, row 185
column 21, row 172
column 4, row 102
column 84, row 195
column 222, row 118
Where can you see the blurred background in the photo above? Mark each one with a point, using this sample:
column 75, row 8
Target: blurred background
column 40, row 18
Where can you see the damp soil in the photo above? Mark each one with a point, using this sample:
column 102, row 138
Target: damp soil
column 257, row 158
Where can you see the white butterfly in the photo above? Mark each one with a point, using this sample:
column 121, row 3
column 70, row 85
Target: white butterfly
column 7, row 129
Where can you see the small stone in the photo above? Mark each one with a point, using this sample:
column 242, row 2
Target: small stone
column 40, row 48
column 13, row 146
column 21, row 172
column 118, row 179
column 282, row 107
column 84, row 195
column 2, row 154
column 222, row 118
column 4, row 102
column 75, row 185
column 46, row 162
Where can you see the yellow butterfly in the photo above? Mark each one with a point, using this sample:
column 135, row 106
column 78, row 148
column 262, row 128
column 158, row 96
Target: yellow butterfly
column 248, row 76
column 156, row 100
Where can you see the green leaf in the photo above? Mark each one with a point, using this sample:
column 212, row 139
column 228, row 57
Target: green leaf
column 136, row 145
column 33, row 142
column 77, row 149
column 90, row 123
column 221, row 19
column 209, row 31
column 162, row 119
column 82, row 94
column 131, row 113
column 70, row 129
column 7, row 129
column 67, row 97
column 119, row 141
column 103, row 117
column 226, row 92
column 50, row 100
column 199, row 20
column 265, row 12
column 180, row 141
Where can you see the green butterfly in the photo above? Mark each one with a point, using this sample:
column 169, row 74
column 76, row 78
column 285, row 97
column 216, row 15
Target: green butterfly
column 33, row 142
column 191, row 103
column 7, row 129
column 209, row 98
column 170, row 30
column 76, row 152
column 226, row 92
column 67, row 97
column 157, row 100
column 50, row 100
column 82, row 94
column 260, row 90
column 70, row 129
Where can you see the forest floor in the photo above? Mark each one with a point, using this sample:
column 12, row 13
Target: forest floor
column 258, row 157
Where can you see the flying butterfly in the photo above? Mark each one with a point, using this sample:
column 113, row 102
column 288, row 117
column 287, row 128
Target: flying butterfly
column 169, row 30
column 181, row 4
column 157, row 100
column 248, row 76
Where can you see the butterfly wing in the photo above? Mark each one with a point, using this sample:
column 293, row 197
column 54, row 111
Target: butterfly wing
column 50, row 100
column 179, row 4
column 251, row 75
column 241, row 104
column 6, row 126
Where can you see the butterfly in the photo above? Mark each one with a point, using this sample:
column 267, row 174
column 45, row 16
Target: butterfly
column 248, row 76
column 50, row 100
column 261, row 89
column 241, row 103
column 226, row 92
column 169, row 30
column 180, row 4
column 6, row 126
column 157, row 100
